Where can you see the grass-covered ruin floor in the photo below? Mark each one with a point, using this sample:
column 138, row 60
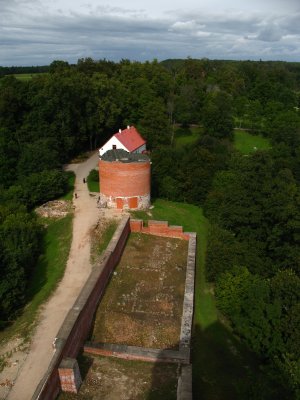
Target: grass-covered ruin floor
column 114, row 379
column 142, row 305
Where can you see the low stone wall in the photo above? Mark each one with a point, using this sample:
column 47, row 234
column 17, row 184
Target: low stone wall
column 158, row 228
column 184, row 386
column 76, row 327
column 136, row 353
column 188, row 302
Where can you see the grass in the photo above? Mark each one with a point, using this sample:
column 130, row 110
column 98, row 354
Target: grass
column 247, row 143
column 71, row 185
column 27, row 77
column 93, row 181
column 223, row 369
column 186, row 136
column 48, row 272
column 101, row 237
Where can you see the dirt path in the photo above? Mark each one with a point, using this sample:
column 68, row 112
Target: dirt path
column 77, row 271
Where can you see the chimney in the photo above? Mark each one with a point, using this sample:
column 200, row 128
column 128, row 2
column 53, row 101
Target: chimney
column 120, row 130
column 128, row 127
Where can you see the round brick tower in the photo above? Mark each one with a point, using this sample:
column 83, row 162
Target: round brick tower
column 124, row 180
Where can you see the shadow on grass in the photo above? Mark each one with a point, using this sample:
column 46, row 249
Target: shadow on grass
column 224, row 369
column 163, row 382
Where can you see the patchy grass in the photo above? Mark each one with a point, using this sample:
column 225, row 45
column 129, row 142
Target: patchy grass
column 101, row 236
column 186, row 136
column 111, row 378
column 71, row 185
column 48, row 272
column 142, row 305
column 247, row 143
column 93, row 181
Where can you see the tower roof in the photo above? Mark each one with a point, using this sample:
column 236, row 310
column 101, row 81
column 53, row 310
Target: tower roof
column 124, row 156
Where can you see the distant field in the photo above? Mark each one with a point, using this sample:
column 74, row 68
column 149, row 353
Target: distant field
column 184, row 136
column 27, row 77
column 247, row 143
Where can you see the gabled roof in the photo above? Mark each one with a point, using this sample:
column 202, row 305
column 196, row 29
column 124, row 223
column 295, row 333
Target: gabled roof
column 130, row 138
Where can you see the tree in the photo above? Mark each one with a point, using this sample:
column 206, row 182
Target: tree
column 285, row 127
column 154, row 124
column 20, row 238
column 217, row 116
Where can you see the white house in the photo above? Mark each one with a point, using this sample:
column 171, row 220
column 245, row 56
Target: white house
column 127, row 139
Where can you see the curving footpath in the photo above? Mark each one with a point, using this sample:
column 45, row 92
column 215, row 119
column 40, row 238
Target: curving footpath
column 77, row 271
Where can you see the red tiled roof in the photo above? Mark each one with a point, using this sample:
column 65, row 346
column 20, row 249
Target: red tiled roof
column 130, row 138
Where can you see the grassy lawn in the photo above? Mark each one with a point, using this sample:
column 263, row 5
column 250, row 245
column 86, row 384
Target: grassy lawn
column 222, row 367
column 93, row 181
column 27, row 77
column 185, row 136
column 48, row 272
column 247, row 143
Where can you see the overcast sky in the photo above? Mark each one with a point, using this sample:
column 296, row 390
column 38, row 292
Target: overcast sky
column 36, row 32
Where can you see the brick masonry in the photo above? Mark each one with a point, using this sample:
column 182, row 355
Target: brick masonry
column 158, row 228
column 124, row 185
column 69, row 375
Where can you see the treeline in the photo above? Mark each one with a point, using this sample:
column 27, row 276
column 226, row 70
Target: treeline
column 23, row 70
column 253, row 204
column 252, row 201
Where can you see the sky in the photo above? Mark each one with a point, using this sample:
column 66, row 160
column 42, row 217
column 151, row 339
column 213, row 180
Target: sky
column 37, row 32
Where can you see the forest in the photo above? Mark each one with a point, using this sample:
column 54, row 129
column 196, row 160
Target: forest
column 252, row 201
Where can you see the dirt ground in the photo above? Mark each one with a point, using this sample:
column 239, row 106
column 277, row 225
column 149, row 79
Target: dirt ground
column 26, row 367
column 142, row 305
column 114, row 379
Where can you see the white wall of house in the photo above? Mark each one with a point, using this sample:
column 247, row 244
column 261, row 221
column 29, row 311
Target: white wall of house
column 113, row 141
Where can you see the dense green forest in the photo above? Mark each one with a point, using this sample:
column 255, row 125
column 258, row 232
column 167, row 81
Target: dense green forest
column 252, row 201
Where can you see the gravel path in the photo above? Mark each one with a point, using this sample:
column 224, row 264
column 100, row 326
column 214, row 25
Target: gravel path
column 77, row 270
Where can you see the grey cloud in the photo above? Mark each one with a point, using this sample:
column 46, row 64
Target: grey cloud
column 31, row 38
column 270, row 34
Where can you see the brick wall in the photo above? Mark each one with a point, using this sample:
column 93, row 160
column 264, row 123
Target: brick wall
column 120, row 179
column 158, row 228
column 75, row 329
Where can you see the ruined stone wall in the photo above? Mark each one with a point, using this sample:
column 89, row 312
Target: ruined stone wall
column 77, row 324
column 158, row 228
column 76, row 327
